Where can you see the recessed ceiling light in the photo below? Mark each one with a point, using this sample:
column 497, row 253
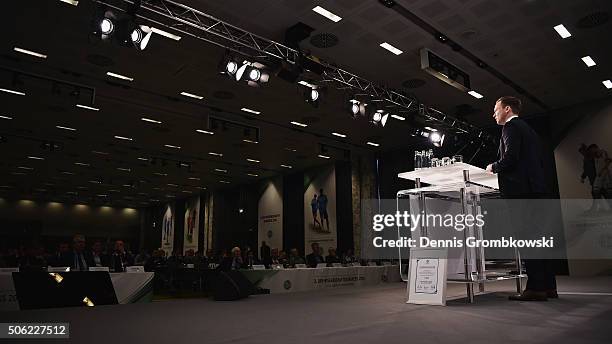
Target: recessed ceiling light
column 71, row 2
column 143, row 159
column 81, row 164
column 299, row 124
column 172, row 146
column 201, row 187
column 25, row 168
column 187, row 191
column 588, row 61
column 35, row 158
column 119, row 76
column 286, row 166
column 160, row 174
column 123, row 138
column 400, row 118
column 65, row 128
column 193, row 178
column 251, row 111
column 607, row 83
column 215, row 154
column 562, row 31
column 249, row 141
column 224, row 181
column 391, row 48
column 339, row 135
column 173, row 185
column 150, row 120
column 95, row 182
column 6, row 117
column 124, row 169
column 87, row 107
column 252, row 160
column 68, row 173
column 327, row 14
column 100, row 153
column 102, row 195
column 475, row 94
column 205, row 132
column 12, row 92
column 191, row 95
column 29, row 52
column 220, row 170
column 323, row 156
column 252, row 175
column 290, row 149
column 165, row 34
column 305, row 83
column 373, row 144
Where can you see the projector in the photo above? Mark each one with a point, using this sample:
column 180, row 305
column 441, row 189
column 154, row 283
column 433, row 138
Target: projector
column 444, row 70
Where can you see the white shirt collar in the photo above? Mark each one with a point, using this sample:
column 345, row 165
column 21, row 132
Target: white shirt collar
column 510, row 118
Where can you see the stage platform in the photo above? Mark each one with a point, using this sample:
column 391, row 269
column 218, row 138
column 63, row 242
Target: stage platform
column 376, row 314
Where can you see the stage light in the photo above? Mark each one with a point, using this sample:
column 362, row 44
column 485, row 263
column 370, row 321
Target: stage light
column 314, row 95
column 437, row 138
column 241, row 71
column 231, row 67
column 107, row 27
column 355, row 109
column 255, row 74
column 380, row 117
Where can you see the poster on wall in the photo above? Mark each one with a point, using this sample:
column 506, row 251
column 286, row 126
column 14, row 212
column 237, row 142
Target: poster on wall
column 320, row 209
column 270, row 215
column 192, row 225
column 167, row 241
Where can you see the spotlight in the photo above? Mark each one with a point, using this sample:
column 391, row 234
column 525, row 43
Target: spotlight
column 437, row 139
column 314, row 95
column 140, row 37
column 355, row 109
column 380, row 117
column 106, row 26
column 255, row 75
column 231, row 67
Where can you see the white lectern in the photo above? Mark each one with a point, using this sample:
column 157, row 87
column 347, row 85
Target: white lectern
column 456, row 189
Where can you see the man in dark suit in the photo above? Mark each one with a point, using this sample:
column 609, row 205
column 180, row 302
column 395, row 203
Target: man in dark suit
column 520, row 173
column 78, row 259
column 315, row 257
column 235, row 262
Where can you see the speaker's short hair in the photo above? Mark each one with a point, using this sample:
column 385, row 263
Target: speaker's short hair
column 513, row 102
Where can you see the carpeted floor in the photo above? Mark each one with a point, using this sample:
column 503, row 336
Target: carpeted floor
column 364, row 315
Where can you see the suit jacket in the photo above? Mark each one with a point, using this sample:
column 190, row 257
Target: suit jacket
column 313, row 259
column 519, row 167
column 68, row 259
column 228, row 262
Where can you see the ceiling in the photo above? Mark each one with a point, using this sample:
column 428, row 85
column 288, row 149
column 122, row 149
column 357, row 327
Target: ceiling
column 90, row 165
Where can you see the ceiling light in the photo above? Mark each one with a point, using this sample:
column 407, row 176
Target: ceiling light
column 172, row 185
column 193, row 178
column 81, row 164
column 191, row 95
column 119, row 76
column 220, row 170
column 562, row 31
column 373, row 144
column 68, row 173
column 65, row 128
column 160, row 174
column 171, row 146
column 186, row 191
column 143, row 159
column 286, row 166
column 25, row 168
column 327, row 14
column 391, row 48
column 101, row 153
column 607, row 83
column 253, row 160
column 314, row 95
column 231, row 67
column 437, row 139
column 339, row 135
column 87, row 107
column 215, row 154
column 106, row 26
column 165, row 34
column 307, row 84
column 18, row 173
column 6, row 117
column 250, row 111
column 29, row 52
column 475, row 94
column 205, row 132
column 36, row 158
column 249, row 141
column 12, row 92
column 71, row 2
column 95, row 182
column 323, row 156
column 123, row 138
column 255, row 74
column 252, row 175
column 588, row 61
column 400, row 118
column 299, row 124
column 224, row 181
column 290, row 149
column 124, row 169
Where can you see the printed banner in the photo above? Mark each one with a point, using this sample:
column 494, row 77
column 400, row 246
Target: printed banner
column 167, row 240
column 270, row 214
column 192, row 225
column 320, row 209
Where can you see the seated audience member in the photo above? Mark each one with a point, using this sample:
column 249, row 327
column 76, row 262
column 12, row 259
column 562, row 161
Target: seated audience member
column 59, row 257
column 33, row 260
column 315, row 257
column 274, row 257
column 332, row 258
column 251, row 259
column 349, row 257
column 282, row 258
column 157, row 260
column 235, row 262
column 121, row 258
column 99, row 257
column 295, row 258
column 141, row 258
column 78, row 259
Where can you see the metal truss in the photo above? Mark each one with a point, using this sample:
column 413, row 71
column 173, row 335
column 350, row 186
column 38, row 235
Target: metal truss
column 192, row 22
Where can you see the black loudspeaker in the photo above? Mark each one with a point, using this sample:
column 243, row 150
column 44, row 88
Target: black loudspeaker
column 231, row 285
column 63, row 289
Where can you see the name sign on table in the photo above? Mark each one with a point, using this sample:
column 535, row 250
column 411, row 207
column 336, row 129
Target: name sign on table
column 58, row 269
column 321, row 265
column 301, row 266
column 136, row 268
column 427, row 276
column 98, row 268
column 259, row 267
